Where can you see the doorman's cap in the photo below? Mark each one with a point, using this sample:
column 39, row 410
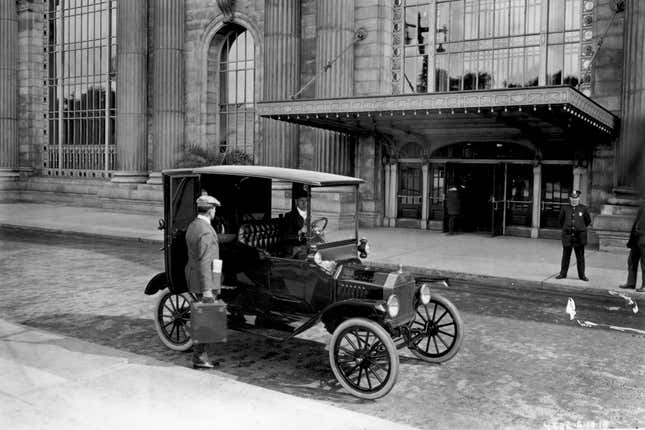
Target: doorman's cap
column 575, row 194
column 207, row 201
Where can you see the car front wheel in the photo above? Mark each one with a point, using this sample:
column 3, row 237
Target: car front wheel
column 172, row 320
column 364, row 358
column 436, row 332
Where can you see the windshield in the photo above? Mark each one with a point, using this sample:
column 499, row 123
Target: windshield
column 338, row 206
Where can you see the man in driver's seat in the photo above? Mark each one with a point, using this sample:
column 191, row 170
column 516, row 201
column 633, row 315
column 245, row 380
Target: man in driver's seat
column 295, row 225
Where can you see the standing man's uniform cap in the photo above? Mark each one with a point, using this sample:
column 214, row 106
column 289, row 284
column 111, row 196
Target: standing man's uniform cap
column 206, row 201
column 575, row 194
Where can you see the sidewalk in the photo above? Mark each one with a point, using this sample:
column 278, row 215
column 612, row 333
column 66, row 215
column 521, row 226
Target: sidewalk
column 476, row 259
column 58, row 382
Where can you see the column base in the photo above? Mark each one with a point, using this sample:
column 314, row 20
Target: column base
column 535, row 232
column 9, row 174
column 129, row 177
column 154, row 178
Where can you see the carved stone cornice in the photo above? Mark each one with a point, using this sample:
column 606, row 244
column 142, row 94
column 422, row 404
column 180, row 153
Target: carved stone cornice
column 570, row 100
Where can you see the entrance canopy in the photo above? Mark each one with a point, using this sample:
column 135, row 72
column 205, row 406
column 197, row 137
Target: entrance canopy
column 555, row 114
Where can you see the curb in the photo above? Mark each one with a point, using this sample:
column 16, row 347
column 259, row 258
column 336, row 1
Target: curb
column 78, row 234
column 468, row 280
column 458, row 279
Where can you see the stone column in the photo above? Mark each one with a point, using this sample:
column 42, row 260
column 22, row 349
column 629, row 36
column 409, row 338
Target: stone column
column 281, row 78
column 424, row 197
column 131, row 130
column 335, row 29
column 537, row 201
column 580, row 182
column 168, row 83
column 386, row 195
column 630, row 153
column 8, row 90
column 394, row 190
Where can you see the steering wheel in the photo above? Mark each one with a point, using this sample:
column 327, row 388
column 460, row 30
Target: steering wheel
column 318, row 226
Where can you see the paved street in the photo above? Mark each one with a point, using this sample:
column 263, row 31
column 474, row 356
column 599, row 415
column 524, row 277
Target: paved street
column 523, row 364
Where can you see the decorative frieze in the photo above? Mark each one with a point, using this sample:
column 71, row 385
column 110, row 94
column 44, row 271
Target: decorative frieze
column 579, row 105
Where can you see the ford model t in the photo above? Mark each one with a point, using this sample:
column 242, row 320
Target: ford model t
column 291, row 282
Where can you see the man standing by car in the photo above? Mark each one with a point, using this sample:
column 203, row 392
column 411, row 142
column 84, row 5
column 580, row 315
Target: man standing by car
column 203, row 265
column 636, row 245
column 574, row 220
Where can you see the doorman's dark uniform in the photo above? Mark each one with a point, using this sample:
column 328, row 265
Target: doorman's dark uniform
column 636, row 245
column 574, row 222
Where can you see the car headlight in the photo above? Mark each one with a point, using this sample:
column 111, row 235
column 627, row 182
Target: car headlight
column 424, row 294
column 393, row 306
column 318, row 258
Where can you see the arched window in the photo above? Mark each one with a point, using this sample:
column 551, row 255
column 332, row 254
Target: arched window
column 237, row 92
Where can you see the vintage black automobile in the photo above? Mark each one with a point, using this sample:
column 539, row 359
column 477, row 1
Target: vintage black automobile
column 272, row 281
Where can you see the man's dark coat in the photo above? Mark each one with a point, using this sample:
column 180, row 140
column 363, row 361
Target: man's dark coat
column 574, row 223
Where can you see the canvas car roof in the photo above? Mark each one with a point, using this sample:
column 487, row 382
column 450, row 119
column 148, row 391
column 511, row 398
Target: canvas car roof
column 308, row 177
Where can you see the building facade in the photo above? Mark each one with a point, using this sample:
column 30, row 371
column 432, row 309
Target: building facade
column 517, row 101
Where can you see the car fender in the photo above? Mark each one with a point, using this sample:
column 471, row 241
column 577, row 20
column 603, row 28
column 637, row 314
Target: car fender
column 157, row 283
column 351, row 308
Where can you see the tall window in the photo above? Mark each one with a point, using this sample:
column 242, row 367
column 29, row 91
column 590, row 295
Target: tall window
column 563, row 42
column 482, row 44
column 237, row 78
column 81, row 87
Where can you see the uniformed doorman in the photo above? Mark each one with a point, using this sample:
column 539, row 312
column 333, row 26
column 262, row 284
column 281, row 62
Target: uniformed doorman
column 574, row 220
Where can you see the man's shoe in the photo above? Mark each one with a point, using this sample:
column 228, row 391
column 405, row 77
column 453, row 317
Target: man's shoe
column 584, row 278
column 198, row 363
column 627, row 287
column 640, row 290
column 560, row 276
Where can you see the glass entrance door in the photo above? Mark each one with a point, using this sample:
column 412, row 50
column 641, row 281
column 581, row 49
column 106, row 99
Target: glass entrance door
column 498, row 200
column 409, row 195
column 557, row 182
column 519, row 195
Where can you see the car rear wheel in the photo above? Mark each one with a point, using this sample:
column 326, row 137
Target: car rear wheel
column 172, row 320
column 364, row 358
column 437, row 330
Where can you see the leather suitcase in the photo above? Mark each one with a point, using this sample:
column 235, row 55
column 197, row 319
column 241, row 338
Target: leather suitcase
column 208, row 322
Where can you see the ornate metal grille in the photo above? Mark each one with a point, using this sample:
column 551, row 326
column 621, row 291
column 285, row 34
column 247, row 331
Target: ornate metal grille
column 81, row 88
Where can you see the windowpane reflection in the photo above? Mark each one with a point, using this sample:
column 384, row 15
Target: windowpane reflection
column 481, row 44
column 237, row 92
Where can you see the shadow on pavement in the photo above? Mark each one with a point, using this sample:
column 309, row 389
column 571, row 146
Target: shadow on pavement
column 299, row 367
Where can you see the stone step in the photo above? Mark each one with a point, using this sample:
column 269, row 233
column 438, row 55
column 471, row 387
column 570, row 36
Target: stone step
column 609, row 209
column 613, row 223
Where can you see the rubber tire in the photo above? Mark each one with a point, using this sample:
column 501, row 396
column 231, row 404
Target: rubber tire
column 389, row 345
column 459, row 329
column 184, row 346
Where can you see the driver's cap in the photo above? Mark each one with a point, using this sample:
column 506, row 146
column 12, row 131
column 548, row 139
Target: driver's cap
column 207, row 201
column 575, row 194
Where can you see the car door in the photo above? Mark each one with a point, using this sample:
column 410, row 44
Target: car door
column 298, row 286
column 180, row 195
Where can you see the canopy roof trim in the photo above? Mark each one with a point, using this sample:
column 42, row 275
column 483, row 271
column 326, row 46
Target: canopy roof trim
column 308, row 177
column 566, row 99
